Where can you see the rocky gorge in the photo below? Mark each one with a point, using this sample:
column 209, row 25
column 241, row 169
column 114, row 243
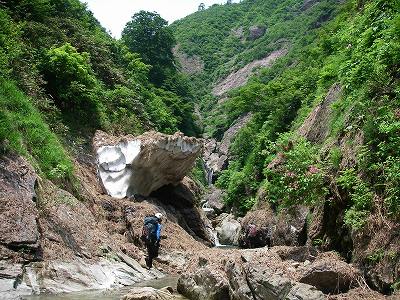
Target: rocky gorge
column 51, row 242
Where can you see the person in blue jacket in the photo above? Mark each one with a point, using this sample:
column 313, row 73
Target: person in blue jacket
column 152, row 236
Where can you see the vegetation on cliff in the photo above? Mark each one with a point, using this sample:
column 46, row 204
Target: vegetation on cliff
column 351, row 47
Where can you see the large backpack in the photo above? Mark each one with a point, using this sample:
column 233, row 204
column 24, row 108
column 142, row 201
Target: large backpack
column 149, row 231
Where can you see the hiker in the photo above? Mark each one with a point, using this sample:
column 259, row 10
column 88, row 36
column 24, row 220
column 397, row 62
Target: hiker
column 151, row 235
column 251, row 235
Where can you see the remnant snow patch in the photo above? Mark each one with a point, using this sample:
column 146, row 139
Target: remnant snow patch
column 114, row 162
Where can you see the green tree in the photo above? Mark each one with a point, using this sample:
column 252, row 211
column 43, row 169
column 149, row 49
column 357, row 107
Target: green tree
column 148, row 35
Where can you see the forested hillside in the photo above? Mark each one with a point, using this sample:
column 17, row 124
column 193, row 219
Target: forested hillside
column 63, row 76
column 325, row 126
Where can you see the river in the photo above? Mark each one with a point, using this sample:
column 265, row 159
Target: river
column 112, row 294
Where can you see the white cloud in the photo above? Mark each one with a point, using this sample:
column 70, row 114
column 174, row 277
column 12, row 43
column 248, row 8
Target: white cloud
column 113, row 15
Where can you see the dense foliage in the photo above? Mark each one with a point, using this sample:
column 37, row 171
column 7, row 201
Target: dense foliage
column 355, row 45
column 63, row 75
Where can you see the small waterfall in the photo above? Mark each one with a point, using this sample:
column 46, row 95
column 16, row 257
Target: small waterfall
column 216, row 240
column 210, row 174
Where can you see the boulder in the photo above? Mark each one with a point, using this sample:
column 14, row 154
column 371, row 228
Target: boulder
column 131, row 165
column 149, row 293
column 330, row 274
column 266, row 284
column 255, row 32
column 204, row 284
column 228, row 231
column 297, row 254
column 301, row 291
column 18, row 213
column 264, row 220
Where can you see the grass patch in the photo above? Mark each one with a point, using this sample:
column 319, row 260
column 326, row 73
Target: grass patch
column 23, row 130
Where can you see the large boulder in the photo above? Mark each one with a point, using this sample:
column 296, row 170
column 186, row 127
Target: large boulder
column 266, row 284
column 131, row 165
column 18, row 213
column 228, row 231
column 264, row 220
column 204, row 284
column 331, row 275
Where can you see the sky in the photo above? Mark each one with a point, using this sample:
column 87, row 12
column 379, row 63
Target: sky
column 114, row 14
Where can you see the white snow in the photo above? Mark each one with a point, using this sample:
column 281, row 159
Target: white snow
column 114, row 167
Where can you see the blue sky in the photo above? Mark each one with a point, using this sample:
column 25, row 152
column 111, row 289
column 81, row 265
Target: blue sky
column 114, row 14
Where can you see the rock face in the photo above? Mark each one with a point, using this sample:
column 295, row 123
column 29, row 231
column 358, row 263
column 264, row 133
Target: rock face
column 291, row 227
column 189, row 64
column 288, row 228
column 316, row 127
column 139, row 165
column 240, row 77
column 18, row 213
column 216, row 154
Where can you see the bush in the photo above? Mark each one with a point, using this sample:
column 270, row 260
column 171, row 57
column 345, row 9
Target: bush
column 299, row 179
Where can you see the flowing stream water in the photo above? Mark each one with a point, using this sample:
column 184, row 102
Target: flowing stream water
column 112, row 294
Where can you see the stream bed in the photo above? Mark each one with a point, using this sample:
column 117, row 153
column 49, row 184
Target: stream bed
column 111, row 294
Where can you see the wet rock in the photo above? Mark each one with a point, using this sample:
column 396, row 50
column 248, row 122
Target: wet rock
column 18, row 213
column 255, row 32
column 149, row 293
column 228, row 231
column 10, row 281
column 204, row 284
column 331, row 275
column 139, row 165
column 216, row 154
column 78, row 275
